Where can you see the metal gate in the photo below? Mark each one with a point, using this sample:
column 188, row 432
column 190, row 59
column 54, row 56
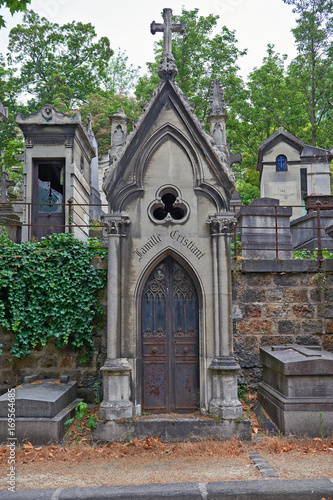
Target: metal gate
column 170, row 340
column 48, row 214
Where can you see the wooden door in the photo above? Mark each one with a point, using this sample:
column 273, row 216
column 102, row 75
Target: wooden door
column 170, row 340
column 48, row 210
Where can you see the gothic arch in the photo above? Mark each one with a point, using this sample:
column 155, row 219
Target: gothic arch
column 147, row 149
column 177, row 257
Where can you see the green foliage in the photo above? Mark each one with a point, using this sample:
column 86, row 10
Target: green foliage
column 81, row 414
column 57, row 62
column 13, row 148
column 49, row 291
column 312, row 254
column 311, row 72
column 101, row 106
column 200, row 57
column 13, row 6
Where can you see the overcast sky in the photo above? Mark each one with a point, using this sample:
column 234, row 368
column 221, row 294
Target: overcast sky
column 127, row 23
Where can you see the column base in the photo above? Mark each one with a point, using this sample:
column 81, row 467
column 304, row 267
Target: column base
column 116, row 409
column 225, row 403
column 116, row 384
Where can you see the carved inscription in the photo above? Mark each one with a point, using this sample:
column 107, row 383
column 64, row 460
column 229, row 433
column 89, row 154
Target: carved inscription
column 186, row 242
column 152, row 241
column 175, row 235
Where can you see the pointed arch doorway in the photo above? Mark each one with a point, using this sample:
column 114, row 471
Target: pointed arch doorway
column 170, row 340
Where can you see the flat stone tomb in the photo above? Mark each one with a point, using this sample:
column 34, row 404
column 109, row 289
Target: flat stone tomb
column 297, row 388
column 41, row 410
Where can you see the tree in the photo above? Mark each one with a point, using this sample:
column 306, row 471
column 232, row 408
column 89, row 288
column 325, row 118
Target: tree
column 57, row 62
column 120, row 77
column 13, row 6
column 200, row 57
column 311, row 72
column 101, row 106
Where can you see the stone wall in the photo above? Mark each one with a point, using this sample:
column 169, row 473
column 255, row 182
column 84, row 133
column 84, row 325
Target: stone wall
column 280, row 302
column 274, row 302
column 49, row 362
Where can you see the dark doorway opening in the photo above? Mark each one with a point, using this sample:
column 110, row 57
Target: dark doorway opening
column 48, row 210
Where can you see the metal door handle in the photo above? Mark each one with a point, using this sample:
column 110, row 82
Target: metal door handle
column 154, row 350
column 185, row 349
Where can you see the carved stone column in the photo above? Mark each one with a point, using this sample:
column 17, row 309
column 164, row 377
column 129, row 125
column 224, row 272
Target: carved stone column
column 116, row 371
column 224, row 368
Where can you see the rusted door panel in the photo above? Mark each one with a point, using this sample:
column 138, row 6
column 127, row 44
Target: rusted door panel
column 186, row 385
column 156, row 389
column 170, row 339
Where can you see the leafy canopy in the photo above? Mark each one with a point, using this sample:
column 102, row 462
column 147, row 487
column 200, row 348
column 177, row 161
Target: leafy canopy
column 13, row 6
column 57, row 61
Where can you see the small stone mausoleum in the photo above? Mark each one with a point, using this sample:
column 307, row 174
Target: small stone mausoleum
column 169, row 334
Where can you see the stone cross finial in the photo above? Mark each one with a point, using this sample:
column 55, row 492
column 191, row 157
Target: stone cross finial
column 4, row 185
column 167, row 68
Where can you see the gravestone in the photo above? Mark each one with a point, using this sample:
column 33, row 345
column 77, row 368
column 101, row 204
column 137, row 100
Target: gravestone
column 41, row 410
column 265, row 226
column 169, row 328
column 297, row 388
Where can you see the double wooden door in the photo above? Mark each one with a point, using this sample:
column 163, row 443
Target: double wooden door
column 170, row 340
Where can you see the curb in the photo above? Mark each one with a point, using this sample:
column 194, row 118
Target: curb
column 293, row 489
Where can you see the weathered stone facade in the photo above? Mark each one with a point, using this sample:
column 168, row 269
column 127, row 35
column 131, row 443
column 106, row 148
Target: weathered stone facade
column 273, row 303
column 280, row 303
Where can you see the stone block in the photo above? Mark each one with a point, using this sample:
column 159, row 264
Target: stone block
column 288, row 327
column 276, row 311
column 43, row 398
column 315, row 295
column 294, row 295
column 252, row 311
column 304, row 311
column 255, row 327
column 325, row 310
column 329, row 326
column 286, row 280
column 259, row 280
column 275, row 295
column 252, row 295
column 313, row 326
column 298, row 386
column 327, row 342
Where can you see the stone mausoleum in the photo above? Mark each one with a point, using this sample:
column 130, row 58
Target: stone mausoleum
column 168, row 187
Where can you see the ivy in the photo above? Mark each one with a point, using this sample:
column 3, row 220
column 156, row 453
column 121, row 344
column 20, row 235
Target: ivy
column 50, row 290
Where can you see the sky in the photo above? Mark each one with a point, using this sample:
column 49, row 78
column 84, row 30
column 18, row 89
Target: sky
column 127, row 23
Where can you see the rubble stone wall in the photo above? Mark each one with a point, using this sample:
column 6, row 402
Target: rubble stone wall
column 280, row 302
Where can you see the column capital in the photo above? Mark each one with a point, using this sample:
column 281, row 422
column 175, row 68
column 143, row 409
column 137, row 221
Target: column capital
column 115, row 224
column 221, row 223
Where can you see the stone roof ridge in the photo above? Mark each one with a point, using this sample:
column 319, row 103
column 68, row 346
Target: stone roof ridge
column 48, row 114
column 285, row 134
column 315, row 151
column 216, row 99
column 221, row 154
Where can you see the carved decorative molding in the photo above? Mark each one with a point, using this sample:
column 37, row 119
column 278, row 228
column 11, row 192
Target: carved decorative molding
column 47, row 112
column 168, row 206
column 221, row 223
column 116, row 225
